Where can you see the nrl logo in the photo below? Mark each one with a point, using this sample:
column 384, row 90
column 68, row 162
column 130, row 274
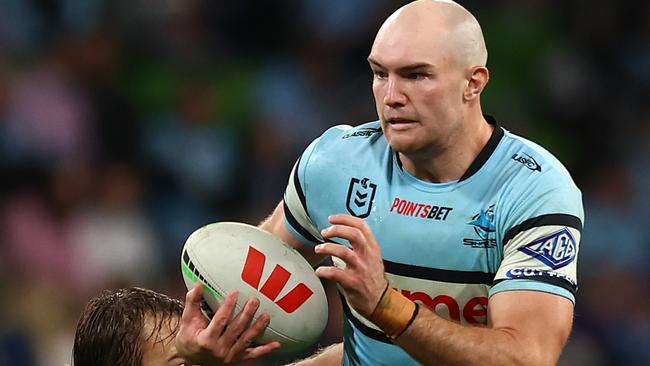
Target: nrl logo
column 555, row 250
column 361, row 194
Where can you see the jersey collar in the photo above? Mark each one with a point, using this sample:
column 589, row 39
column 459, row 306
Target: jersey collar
column 485, row 153
column 488, row 149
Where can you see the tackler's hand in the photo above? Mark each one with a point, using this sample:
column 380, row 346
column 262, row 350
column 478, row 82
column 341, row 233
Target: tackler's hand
column 363, row 277
column 224, row 339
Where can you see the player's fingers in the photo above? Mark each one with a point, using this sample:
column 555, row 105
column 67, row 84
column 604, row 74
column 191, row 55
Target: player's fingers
column 240, row 322
column 348, row 220
column 193, row 322
column 258, row 351
column 349, row 233
column 195, row 295
column 357, row 223
column 222, row 316
column 341, row 251
column 192, row 309
column 247, row 338
column 335, row 274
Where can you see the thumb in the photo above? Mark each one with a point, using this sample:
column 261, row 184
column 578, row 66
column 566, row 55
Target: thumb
column 192, row 311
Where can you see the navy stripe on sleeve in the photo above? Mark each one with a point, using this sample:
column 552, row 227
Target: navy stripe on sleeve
column 296, row 183
column 573, row 289
column 544, row 220
column 301, row 230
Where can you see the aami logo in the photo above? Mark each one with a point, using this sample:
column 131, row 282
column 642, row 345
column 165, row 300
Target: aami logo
column 475, row 307
column 556, row 250
column 252, row 274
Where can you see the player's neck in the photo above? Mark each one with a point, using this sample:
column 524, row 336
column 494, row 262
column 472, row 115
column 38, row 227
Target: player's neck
column 449, row 162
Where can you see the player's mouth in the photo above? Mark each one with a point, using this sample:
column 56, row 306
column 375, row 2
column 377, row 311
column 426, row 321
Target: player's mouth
column 401, row 124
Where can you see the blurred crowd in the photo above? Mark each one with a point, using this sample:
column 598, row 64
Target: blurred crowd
column 127, row 124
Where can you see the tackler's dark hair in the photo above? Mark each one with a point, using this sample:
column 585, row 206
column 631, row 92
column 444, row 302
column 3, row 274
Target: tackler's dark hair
column 111, row 332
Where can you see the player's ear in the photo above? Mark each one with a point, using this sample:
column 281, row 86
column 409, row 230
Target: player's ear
column 477, row 79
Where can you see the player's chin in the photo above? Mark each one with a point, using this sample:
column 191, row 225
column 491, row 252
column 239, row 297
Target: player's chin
column 404, row 144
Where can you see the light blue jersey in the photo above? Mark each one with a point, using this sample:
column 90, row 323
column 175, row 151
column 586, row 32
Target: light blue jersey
column 512, row 222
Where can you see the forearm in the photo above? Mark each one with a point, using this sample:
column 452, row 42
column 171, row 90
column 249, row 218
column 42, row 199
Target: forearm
column 332, row 355
column 271, row 222
column 433, row 340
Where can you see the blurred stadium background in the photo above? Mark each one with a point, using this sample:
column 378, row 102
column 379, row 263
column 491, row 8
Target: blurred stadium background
column 127, row 124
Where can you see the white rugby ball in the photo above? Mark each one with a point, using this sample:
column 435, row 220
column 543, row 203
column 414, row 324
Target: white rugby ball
column 228, row 256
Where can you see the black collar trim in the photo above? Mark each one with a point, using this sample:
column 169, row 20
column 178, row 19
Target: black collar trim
column 483, row 156
column 487, row 151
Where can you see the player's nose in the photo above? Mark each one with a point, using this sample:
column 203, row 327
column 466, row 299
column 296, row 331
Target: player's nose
column 394, row 96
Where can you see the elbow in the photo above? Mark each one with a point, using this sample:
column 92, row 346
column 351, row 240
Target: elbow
column 524, row 353
column 537, row 356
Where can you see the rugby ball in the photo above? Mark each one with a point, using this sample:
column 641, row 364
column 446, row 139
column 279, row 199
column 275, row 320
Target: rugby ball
column 228, row 256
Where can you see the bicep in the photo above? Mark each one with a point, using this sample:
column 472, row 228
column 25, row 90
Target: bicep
column 537, row 320
column 276, row 225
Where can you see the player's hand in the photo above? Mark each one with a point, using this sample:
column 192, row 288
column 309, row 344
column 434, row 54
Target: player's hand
column 225, row 338
column 363, row 277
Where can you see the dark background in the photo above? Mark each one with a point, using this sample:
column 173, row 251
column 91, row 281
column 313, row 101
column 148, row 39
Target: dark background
column 127, row 124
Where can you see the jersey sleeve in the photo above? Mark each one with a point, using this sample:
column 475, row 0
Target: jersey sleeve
column 296, row 195
column 295, row 209
column 541, row 244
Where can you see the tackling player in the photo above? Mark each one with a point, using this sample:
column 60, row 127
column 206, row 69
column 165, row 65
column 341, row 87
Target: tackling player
column 130, row 326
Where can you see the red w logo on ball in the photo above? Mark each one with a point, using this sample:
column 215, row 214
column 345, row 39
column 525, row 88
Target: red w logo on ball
column 252, row 274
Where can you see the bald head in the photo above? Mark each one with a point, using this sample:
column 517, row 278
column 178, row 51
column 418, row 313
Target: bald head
column 439, row 24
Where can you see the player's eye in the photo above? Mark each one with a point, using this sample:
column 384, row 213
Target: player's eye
column 379, row 74
column 416, row 75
